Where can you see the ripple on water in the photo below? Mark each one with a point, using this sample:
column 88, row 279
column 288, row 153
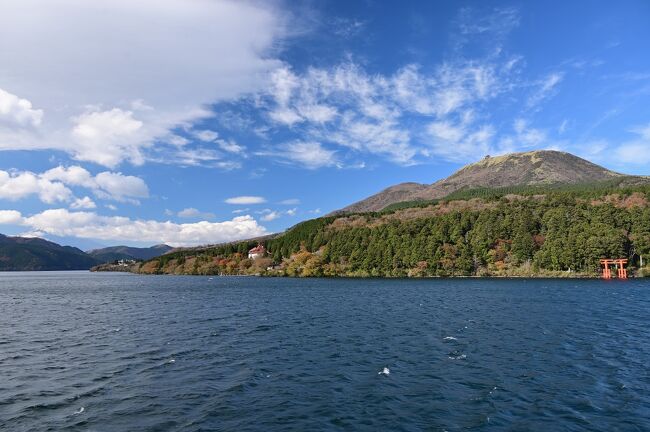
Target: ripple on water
column 106, row 352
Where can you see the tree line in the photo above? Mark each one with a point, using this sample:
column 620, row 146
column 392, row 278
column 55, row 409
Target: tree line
column 562, row 231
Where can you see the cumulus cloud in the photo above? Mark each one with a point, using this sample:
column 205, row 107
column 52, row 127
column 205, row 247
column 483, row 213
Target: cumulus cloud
column 145, row 89
column 120, row 187
column 105, row 185
column 54, row 186
column 109, row 137
column 18, row 185
column 10, row 217
column 62, row 222
column 15, row 111
column 83, row 203
column 243, row 200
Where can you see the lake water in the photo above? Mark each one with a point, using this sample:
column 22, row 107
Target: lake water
column 119, row 352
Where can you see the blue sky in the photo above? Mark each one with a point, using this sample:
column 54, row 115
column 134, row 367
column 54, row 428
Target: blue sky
column 202, row 121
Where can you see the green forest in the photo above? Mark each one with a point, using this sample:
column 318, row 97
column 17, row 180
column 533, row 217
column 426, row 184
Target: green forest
column 522, row 232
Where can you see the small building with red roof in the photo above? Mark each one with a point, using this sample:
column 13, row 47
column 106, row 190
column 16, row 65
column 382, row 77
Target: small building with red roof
column 257, row 252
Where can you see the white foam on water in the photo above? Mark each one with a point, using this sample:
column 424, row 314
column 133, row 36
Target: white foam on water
column 449, row 338
column 458, row 357
column 172, row 361
column 79, row 411
column 384, row 371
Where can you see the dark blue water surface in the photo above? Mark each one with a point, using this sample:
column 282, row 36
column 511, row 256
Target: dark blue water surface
column 118, row 352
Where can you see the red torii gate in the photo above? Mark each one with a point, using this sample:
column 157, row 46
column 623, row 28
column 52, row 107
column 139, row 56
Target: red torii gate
column 620, row 265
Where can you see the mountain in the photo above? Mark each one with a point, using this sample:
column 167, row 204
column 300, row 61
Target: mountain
column 542, row 167
column 26, row 254
column 542, row 213
column 115, row 253
column 543, row 231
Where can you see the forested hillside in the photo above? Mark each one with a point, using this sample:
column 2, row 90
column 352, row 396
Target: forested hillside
column 28, row 254
column 115, row 253
column 521, row 231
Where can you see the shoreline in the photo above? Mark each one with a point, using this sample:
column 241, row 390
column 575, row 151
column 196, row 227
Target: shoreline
column 540, row 276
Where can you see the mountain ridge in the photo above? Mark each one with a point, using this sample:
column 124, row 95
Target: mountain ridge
column 114, row 253
column 37, row 254
column 539, row 167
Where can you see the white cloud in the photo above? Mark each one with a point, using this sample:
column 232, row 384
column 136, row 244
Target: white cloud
column 243, row 200
column 292, row 212
column 636, row 151
column 111, row 78
column 10, row 217
column 15, row 111
column 478, row 22
column 290, row 201
column 61, row 222
column 109, row 137
column 206, row 135
column 461, row 141
column 310, row 155
column 105, row 185
column 192, row 213
column 120, row 187
column 563, row 126
column 73, row 175
column 545, row 88
column 286, row 116
column 230, row 146
column 317, row 113
column 18, row 185
column 377, row 114
column 83, row 203
column 271, row 216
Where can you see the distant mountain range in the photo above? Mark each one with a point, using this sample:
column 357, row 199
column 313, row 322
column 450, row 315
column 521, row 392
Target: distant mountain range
column 535, row 168
column 26, row 254
column 32, row 254
column 115, row 253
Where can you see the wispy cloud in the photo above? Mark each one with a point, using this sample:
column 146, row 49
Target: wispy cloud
column 290, row 201
column 382, row 115
column 307, row 154
column 545, row 88
column 637, row 150
column 246, row 199
column 192, row 213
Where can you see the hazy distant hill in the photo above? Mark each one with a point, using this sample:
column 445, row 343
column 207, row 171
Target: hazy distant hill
column 25, row 254
column 115, row 253
column 543, row 167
